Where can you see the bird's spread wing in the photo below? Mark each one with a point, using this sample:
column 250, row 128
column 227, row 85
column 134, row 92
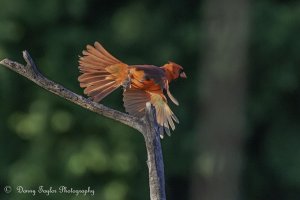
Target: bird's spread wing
column 164, row 114
column 102, row 73
column 135, row 103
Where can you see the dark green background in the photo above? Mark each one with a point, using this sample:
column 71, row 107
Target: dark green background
column 45, row 140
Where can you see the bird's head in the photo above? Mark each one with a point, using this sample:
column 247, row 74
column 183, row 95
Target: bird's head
column 174, row 71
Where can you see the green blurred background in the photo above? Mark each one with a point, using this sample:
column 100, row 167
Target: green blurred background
column 45, row 140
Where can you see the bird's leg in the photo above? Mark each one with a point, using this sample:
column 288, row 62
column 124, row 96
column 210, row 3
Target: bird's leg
column 127, row 83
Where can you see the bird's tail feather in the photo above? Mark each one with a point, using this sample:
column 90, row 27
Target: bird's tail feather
column 101, row 72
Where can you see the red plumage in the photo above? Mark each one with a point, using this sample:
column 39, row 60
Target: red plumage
column 102, row 73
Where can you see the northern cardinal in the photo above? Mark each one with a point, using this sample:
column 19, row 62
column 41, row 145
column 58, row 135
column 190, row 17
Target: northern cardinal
column 102, row 73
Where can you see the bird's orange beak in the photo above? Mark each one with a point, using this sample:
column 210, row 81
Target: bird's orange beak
column 182, row 75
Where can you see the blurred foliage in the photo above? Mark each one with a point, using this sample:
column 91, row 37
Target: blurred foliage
column 48, row 141
column 272, row 168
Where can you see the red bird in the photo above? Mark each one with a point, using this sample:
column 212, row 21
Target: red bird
column 102, row 74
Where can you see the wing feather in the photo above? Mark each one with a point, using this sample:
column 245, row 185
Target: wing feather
column 135, row 103
column 164, row 114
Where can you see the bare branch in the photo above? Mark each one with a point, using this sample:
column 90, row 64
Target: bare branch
column 155, row 160
column 31, row 72
column 148, row 126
